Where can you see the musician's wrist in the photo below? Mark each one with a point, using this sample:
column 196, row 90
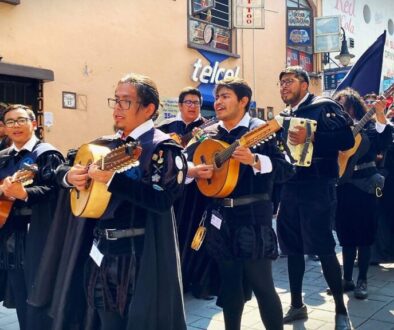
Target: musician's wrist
column 255, row 161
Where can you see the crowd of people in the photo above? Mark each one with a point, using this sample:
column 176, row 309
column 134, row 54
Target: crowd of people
column 194, row 210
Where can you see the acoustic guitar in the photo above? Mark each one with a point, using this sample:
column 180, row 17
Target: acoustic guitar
column 93, row 200
column 348, row 159
column 226, row 169
column 184, row 139
column 25, row 176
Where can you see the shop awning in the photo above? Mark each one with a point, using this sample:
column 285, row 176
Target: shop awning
column 17, row 70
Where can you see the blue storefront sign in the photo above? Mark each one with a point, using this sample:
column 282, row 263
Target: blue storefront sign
column 332, row 77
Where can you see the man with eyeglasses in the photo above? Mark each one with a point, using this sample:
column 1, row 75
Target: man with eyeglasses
column 188, row 118
column 308, row 199
column 23, row 236
column 132, row 277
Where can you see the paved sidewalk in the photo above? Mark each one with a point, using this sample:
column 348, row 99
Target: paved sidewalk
column 375, row 313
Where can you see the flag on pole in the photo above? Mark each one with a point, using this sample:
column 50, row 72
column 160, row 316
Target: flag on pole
column 364, row 76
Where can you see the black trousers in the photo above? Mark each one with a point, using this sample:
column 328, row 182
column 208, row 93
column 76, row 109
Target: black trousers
column 16, row 280
column 237, row 276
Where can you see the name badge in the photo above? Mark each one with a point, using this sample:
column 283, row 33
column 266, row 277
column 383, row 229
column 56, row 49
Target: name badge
column 216, row 221
column 95, row 253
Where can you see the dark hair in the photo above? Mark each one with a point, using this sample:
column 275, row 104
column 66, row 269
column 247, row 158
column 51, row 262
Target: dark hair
column 3, row 107
column 352, row 100
column 239, row 86
column 187, row 91
column 298, row 71
column 13, row 107
column 146, row 89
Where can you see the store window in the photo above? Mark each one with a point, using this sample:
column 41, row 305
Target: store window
column 209, row 26
column 299, row 38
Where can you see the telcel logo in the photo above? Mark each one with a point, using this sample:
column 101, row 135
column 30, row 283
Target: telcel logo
column 209, row 74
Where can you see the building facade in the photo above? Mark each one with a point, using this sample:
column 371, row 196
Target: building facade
column 69, row 55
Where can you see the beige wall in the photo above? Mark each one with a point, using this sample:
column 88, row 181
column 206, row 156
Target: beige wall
column 90, row 44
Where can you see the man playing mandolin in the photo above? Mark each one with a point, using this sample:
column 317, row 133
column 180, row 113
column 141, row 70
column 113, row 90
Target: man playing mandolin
column 239, row 227
column 29, row 162
column 135, row 237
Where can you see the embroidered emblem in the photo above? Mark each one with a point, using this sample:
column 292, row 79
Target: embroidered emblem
column 157, row 187
column 134, row 173
column 156, row 178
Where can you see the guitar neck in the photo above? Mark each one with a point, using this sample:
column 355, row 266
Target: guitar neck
column 188, row 136
column 225, row 155
column 363, row 121
column 250, row 139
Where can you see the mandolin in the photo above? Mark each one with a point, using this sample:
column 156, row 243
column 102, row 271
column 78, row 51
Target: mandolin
column 25, row 176
column 93, row 200
column 226, row 169
column 184, row 139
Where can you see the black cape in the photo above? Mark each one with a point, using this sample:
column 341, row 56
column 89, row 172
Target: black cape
column 158, row 291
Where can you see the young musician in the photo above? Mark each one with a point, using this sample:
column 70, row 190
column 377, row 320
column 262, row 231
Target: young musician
column 308, row 199
column 132, row 274
column 188, row 118
column 355, row 220
column 24, row 234
column 239, row 236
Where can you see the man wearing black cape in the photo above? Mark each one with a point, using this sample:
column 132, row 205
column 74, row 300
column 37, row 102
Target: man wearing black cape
column 131, row 275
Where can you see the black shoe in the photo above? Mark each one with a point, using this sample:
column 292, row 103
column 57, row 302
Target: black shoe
column 346, row 285
column 313, row 257
column 296, row 314
column 360, row 292
column 342, row 322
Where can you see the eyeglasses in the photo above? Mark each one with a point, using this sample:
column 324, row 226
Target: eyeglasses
column 22, row 121
column 369, row 102
column 124, row 104
column 286, row 82
column 189, row 103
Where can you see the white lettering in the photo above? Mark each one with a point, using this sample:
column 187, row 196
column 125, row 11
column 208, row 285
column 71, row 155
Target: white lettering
column 208, row 74
column 197, row 65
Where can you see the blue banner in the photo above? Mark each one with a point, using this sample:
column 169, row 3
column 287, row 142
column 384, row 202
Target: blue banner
column 364, row 76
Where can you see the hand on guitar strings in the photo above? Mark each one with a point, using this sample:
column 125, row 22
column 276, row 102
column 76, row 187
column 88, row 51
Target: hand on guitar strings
column 298, row 135
column 200, row 171
column 13, row 190
column 99, row 175
column 77, row 176
column 244, row 156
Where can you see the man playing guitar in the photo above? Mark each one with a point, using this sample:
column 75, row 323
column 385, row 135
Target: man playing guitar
column 188, row 118
column 21, row 244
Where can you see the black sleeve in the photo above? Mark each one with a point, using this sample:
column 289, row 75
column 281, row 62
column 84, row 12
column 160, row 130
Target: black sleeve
column 333, row 131
column 281, row 168
column 163, row 185
column 384, row 139
column 44, row 184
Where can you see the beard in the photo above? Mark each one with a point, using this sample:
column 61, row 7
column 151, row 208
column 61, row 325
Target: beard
column 292, row 98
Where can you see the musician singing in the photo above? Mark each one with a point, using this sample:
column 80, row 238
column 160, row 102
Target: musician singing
column 308, row 200
column 188, row 118
column 132, row 277
column 33, row 208
column 239, row 235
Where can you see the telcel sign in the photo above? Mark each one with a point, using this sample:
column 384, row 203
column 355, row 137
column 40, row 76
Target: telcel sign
column 208, row 74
